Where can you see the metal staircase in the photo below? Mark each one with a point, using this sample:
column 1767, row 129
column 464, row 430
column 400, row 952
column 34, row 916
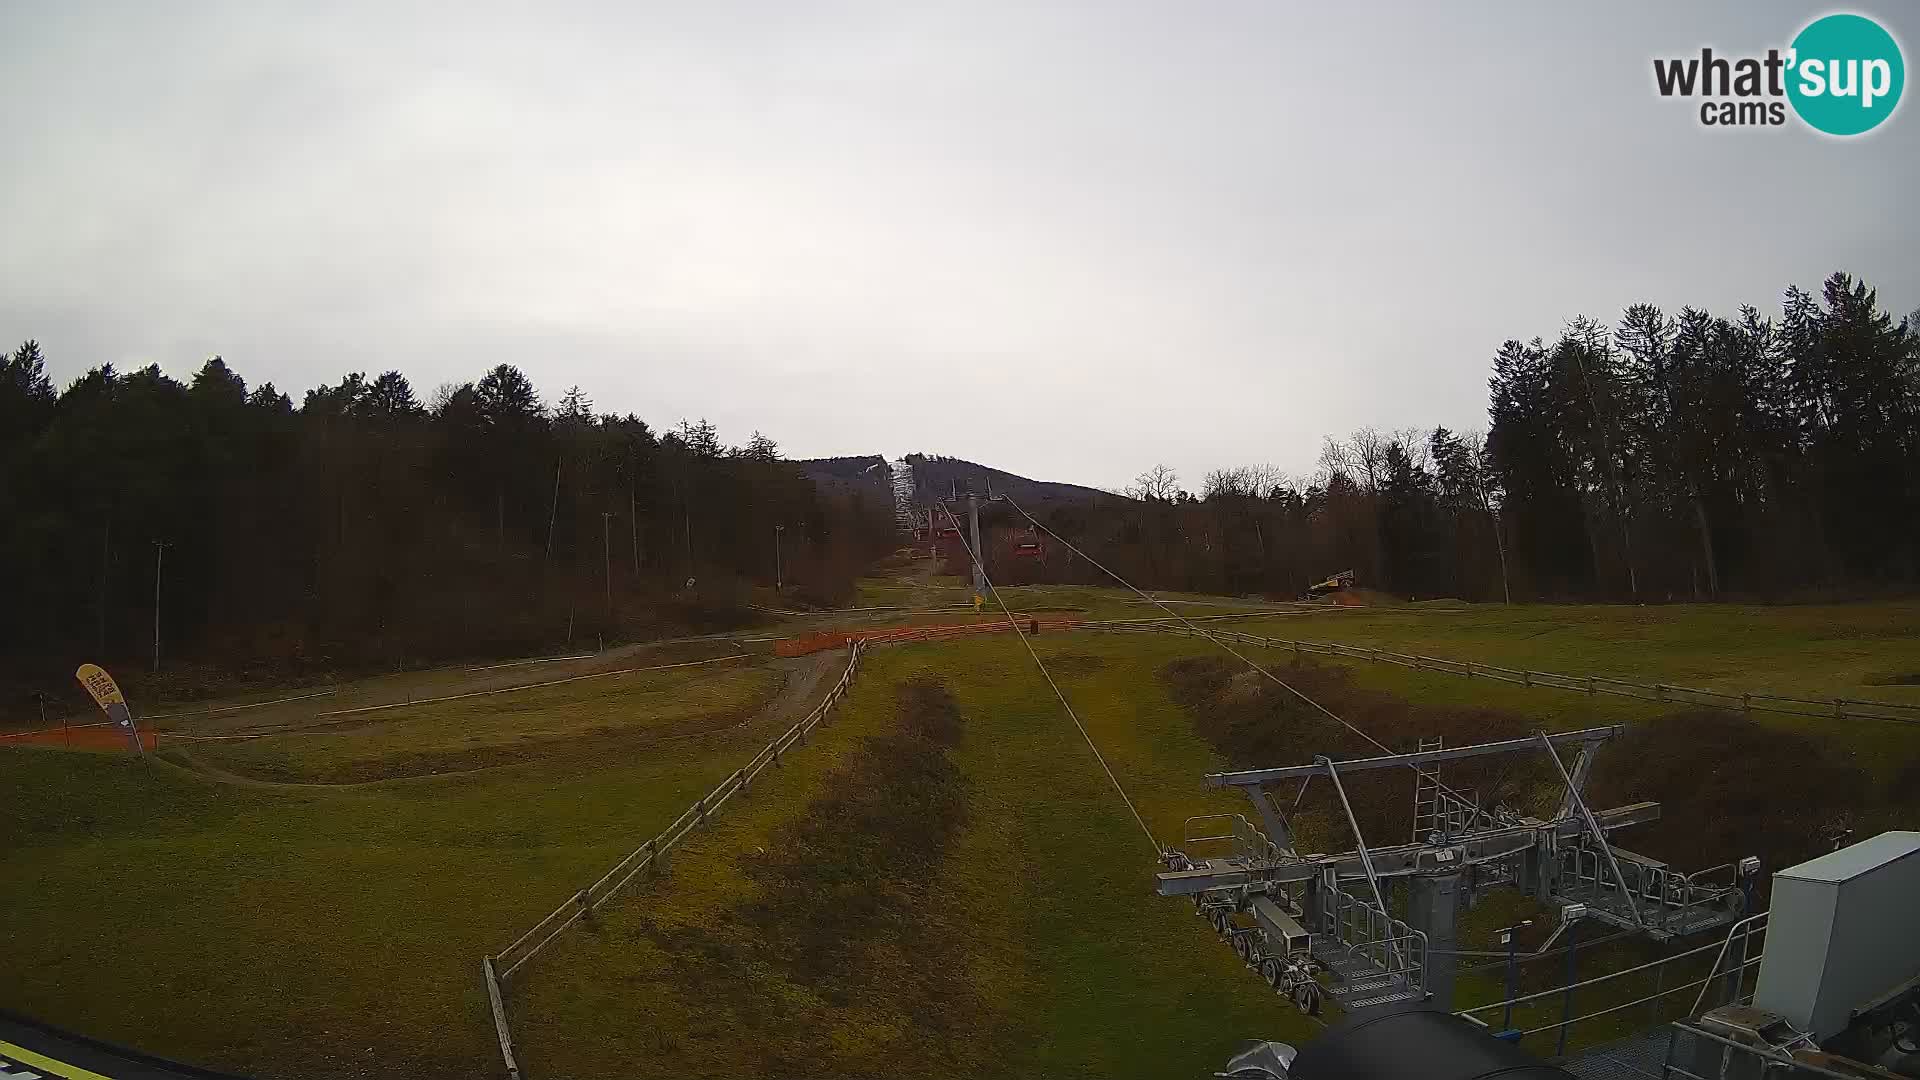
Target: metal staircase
column 1371, row 957
column 1357, row 954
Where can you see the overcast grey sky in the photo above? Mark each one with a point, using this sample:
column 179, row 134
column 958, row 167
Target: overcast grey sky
column 1069, row 240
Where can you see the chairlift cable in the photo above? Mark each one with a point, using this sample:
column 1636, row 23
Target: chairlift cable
column 1037, row 662
column 1329, row 713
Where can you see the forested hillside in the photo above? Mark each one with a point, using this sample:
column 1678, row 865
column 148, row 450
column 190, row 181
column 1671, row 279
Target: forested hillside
column 937, row 477
column 1672, row 456
column 364, row 526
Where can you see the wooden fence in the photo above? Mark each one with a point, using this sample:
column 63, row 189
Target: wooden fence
column 1831, row 708
column 499, row 968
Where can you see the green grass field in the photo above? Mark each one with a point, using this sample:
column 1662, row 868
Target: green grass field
column 1080, row 970
column 651, row 708
column 313, row 931
column 1853, row 651
column 310, row 931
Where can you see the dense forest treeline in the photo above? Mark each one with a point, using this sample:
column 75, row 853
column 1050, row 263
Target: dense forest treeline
column 365, row 527
column 1672, row 456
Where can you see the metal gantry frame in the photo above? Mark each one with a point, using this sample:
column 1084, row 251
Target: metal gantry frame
column 1366, row 861
column 1369, row 957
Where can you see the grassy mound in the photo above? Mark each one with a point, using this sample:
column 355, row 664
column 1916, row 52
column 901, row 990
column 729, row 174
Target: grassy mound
column 789, row 977
column 1254, row 722
column 1728, row 786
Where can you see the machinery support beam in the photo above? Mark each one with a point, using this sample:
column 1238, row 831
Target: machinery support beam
column 1394, row 952
column 1599, row 834
column 1577, row 783
column 1256, row 777
column 1433, row 908
column 1272, row 817
column 1398, row 860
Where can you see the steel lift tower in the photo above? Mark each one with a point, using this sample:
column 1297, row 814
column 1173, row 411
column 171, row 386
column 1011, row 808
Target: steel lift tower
column 1293, row 917
column 973, row 529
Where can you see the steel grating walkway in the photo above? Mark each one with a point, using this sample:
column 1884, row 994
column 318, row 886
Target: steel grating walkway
column 1637, row 1057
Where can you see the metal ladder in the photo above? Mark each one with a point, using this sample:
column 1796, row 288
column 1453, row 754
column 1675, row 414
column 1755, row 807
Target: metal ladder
column 1426, row 792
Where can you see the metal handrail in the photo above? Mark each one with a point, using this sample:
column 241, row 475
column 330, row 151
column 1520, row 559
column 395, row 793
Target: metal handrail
column 1248, row 841
column 1595, row 981
column 1570, row 1021
column 1359, row 839
column 1767, row 1054
column 1186, row 828
column 1353, row 917
column 1413, row 944
column 1599, row 836
column 1673, row 895
column 1689, row 878
column 1737, row 928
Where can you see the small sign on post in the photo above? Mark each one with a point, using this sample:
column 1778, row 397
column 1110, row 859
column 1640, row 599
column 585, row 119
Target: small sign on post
column 106, row 693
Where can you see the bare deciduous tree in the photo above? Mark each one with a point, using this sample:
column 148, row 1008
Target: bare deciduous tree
column 1158, row 484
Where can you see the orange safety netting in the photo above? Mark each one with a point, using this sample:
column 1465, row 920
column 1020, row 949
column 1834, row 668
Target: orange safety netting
column 89, row 737
column 836, row 639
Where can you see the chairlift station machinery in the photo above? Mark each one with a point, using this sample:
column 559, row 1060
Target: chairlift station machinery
column 1313, row 923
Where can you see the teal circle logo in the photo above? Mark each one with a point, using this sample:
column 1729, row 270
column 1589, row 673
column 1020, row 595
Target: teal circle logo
column 1846, row 74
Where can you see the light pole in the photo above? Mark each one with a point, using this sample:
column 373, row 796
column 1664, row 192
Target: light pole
column 106, row 549
column 1507, row 939
column 1569, row 914
column 606, row 552
column 973, row 525
column 633, row 532
column 777, row 530
column 159, row 550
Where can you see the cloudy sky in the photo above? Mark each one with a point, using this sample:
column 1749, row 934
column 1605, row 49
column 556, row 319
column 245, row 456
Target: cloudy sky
column 1070, row 240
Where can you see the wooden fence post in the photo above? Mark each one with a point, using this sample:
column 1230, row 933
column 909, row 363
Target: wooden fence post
column 499, row 1018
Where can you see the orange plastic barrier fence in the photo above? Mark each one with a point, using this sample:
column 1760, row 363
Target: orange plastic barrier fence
column 838, row 639
column 91, row 737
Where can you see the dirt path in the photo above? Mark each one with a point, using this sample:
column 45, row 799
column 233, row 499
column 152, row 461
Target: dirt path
column 798, row 693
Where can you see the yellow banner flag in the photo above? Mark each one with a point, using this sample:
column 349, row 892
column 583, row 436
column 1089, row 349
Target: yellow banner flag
column 106, row 693
column 101, row 685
